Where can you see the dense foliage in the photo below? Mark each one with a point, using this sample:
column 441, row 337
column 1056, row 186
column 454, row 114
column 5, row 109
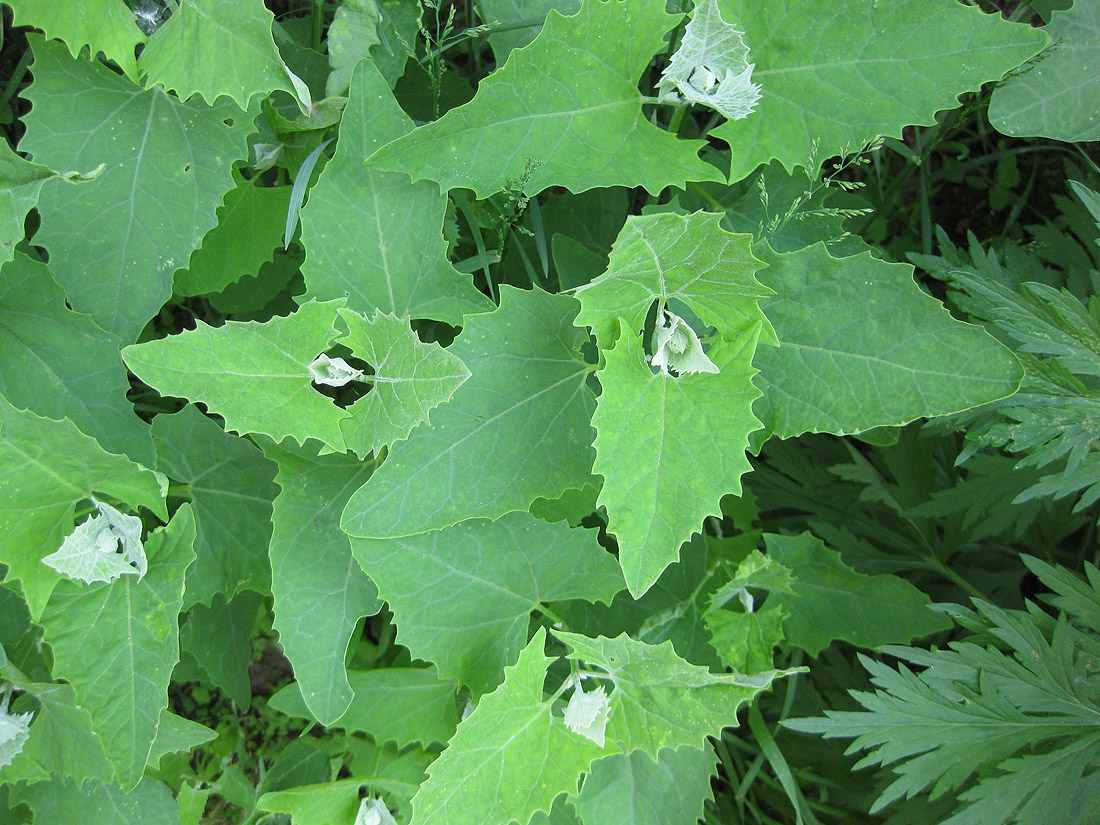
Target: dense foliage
column 473, row 412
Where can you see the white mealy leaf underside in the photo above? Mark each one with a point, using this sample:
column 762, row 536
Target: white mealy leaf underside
column 102, row 548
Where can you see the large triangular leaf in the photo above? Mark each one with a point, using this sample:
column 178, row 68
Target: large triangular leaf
column 516, row 430
column 107, row 26
column 1058, row 97
column 132, row 627
column 864, row 70
column 60, row 364
column 410, row 379
column 687, row 258
column 533, row 120
column 230, row 483
column 254, row 375
column 669, row 448
column 115, row 241
column 374, row 236
column 862, row 346
column 320, row 591
column 46, row 468
column 212, row 48
column 461, row 597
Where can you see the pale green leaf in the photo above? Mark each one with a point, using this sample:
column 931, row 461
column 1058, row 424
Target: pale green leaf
column 862, row 346
column 711, row 66
column 517, row 430
column 256, row 376
column 374, row 236
column 212, row 48
column 102, row 548
column 1058, row 97
column 14, row 730
column 20, row 185
column 219, row 638
column 115, row 241
column 659, row 700
column 689, row 258
column 843, row 76
column 231, row 491
column 133, row 629
column 532, row 120
column 832, row 601
column 515, row 13
column 633, row 789
column 402, row 704
column 410, row 379
column 65, row 801
column 669, row 448
column 746, row 642
column 250, row 227
column 320, row 591
column 106, row 26
column 60, row 364
column 462, row 597
column 55, row 466
column 511, row 757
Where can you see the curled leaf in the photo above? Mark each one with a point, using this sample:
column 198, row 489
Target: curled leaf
column 586, row 713
column 677, row 348
column 373, row 811
column 102, row 548
column 14, row 730
column 333, row 372
column 711, row 66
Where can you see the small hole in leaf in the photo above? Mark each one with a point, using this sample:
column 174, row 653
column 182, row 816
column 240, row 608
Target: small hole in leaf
column 228, row 121
column 187, row 168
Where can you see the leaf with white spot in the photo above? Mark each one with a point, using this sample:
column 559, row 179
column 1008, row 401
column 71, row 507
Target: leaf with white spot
column 711, row 66
column 101, row 549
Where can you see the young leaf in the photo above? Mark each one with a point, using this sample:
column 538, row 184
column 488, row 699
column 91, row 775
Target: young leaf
column 60, row 364
column 115, row 241
column 579, row 78
column 1056, row 97
column 14, row 730
column 516, row 430
column 254, row 375
column 586, row 713
column 862, row 346
column 133, row 628
column 897, row 64
column 677, row 349
column 374, row 236
column 320, row 591
column 669, row 449
column 462, row 597
column 711, row 66
column 211, row 49
column 231, row 489
column 102, row 548
column 689, row 258
column 410, row 379
column 55, row 466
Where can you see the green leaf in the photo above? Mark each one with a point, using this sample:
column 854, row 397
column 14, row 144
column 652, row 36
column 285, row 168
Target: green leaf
column 746, row 642
column 517, row 430
column 176, row 734
column 62, row 800
column 462, row 597
column 1057, row 96
column 250, row 227
column 55, row 466
column 402, row 704
column 219, row 637
column 832, row 601
column 514, row 12
column 256, row 376
column 633, row 789
column 320, row 591
column 896, row 64
column 862, row 346
column 115, row 241
column 687, row 258
column 230, row 484
column 211, row 49
column 355, row 34
column 58, row 363
column 410, row 379
column 659, row 700
column 374, row 236
column 669, row 449
column 20, row 185
column 107, row 26
column 133, row 629
column 330, row 803
column 61, row 739
column 537, row 114
column 511, row 757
